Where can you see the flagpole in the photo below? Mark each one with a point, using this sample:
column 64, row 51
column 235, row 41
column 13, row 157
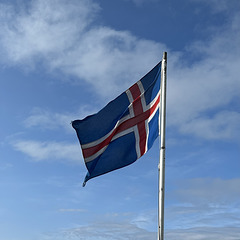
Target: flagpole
column 161, row 166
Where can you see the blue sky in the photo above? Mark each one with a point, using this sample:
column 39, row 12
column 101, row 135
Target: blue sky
column 63, row 60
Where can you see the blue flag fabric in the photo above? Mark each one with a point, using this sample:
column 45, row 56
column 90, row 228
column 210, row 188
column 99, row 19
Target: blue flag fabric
column 124, row 129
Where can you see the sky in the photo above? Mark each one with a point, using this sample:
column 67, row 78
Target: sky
column 63, row 60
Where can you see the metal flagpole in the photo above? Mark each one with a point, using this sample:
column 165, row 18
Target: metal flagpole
column 161, row 166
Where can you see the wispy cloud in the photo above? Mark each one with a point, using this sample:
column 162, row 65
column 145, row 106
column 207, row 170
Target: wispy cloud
column 146, row 220
column 39, row 151
column 71, row 210
column 209, row 191
column 127, row 231
column 219, row 5
column 222, row 125
column 43, row 28
column 63, row 36
column 104, row 230
column 5, row 166
column 142, row 2
column 68, row 39
column 202, row 94
column 204, row 202
column 45, row 119
column 206, row 233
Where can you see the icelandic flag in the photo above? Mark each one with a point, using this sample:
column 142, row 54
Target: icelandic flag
column 124, row 129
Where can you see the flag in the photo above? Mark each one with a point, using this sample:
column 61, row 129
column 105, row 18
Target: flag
column 124, row 129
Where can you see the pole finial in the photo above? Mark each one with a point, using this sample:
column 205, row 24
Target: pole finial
column 165, row 55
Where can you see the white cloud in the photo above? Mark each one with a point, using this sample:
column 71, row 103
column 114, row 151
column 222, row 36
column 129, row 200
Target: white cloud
column 206, row 233
column 43, row 28
column 223, row 125
column 45, row 119
column 39, row 151
column 113, row 58
column 103, row 231
column 65, row 37
column 146, row 220
column 204, row 202
column 142, row 2
column 219, row 5
column 203, row 95
column 126, row 231
column 62, row 36
column 209, row 191
column 5, row 166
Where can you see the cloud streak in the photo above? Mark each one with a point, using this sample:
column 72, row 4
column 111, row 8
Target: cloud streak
column 104, row 230
column 205, row 233
column 39, row 151
column 68, row 39
column 126, row 231
column 63, row 37
column 43, row 28
column 209, row 191
column 204, row 202
column 202, row 94
column 45, row 119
